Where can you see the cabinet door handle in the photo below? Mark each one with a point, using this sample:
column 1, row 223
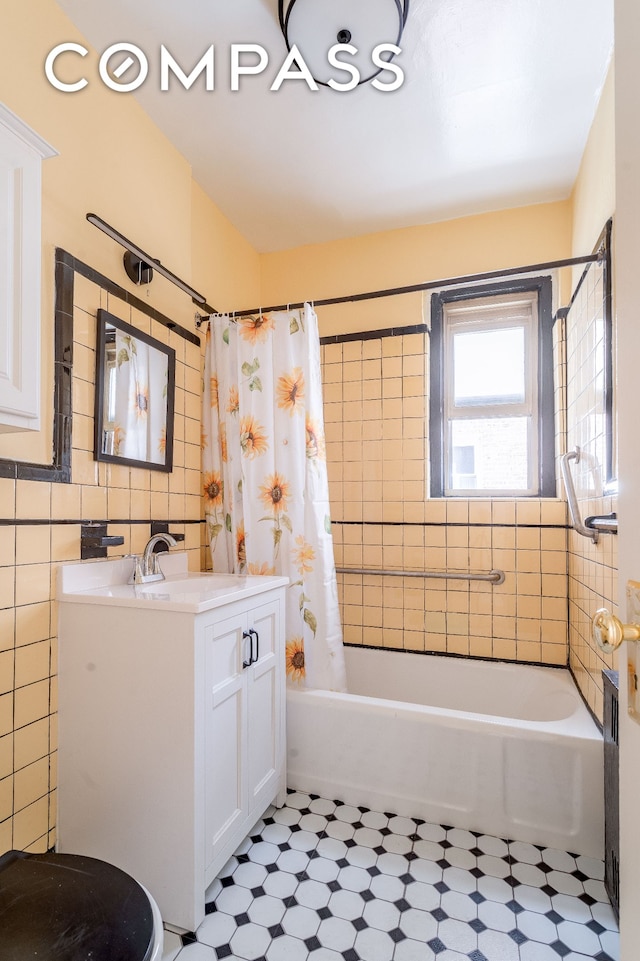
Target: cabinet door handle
column 245, row 635
column 256, row 656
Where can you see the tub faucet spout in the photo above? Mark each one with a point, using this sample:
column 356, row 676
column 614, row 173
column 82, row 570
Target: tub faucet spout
column 146, row 567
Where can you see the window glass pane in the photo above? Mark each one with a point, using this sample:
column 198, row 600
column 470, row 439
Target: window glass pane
column 489, row 366
column 489, row 453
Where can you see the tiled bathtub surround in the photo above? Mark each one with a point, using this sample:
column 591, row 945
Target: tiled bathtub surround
column 593, row 583
column 322, row 881
column 376, row 395
column 593, row 568
column 40, row 527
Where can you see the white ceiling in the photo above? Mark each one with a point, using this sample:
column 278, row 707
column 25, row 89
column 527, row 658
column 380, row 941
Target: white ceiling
column 494, row 112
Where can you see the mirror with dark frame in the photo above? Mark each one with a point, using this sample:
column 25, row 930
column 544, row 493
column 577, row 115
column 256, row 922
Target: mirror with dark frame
column 135, row 390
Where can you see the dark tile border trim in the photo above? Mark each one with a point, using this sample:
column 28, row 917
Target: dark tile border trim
column 47, row 522
column 59, row 471
column 66, row 266
column 463, row 657
column 546, row 527
column 112, row 288
column 374, row 334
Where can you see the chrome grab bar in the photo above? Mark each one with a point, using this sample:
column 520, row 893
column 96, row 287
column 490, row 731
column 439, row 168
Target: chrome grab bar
column 572, row 499
column 605, row 523
column 493, row 577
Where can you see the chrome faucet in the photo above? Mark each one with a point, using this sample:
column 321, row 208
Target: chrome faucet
column 146, row 567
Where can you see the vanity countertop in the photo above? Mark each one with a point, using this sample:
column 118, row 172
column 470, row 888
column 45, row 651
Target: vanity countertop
column 106, row 582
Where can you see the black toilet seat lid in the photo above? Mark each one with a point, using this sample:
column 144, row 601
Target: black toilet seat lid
column 66, row 907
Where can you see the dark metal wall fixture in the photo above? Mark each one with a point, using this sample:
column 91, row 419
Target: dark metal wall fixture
column 315, row 27
column 137, row 270
column 162, row 527
column 94, row 540
column 139, row 265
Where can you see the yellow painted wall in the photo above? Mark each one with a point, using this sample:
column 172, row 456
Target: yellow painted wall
column 115, row 162
column 225, row 267
column 593, row 198
column 507, row 238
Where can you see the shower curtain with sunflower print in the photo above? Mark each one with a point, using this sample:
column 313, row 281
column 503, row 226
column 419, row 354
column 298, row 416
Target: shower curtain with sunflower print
column 265, row 477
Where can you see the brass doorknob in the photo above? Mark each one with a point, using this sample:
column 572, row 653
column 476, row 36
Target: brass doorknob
column 609, row 632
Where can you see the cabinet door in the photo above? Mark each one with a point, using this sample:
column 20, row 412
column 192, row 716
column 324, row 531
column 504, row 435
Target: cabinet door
column 21, row 154
column 265, row 702
column 225, row 732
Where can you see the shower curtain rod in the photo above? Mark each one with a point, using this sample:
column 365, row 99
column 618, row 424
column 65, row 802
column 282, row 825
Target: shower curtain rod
column 415, row 288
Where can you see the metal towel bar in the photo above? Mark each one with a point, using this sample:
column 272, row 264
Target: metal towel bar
column 572, row 499
column 493, row 577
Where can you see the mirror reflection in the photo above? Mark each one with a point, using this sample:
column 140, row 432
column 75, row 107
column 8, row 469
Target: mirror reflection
column 135, row 382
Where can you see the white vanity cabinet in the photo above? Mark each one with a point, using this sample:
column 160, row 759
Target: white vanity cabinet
column 171, row 730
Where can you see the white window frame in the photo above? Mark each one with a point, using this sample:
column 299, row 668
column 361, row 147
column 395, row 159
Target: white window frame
column 509, row 289
column 486, row 314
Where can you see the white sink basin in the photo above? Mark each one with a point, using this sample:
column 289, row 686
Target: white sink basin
column 106, row 582
column 194, row 584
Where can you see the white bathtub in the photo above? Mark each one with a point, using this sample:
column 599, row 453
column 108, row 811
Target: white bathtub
column 504, row 749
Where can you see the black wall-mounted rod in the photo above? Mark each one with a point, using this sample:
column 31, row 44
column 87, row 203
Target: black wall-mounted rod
column 416, row 288
column 140, row 268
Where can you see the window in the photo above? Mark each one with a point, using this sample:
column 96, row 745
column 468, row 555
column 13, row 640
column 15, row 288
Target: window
column 491, row 405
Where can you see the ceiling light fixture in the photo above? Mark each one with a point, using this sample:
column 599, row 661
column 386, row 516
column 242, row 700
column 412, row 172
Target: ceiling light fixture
column 314, row 26
column 140, row 265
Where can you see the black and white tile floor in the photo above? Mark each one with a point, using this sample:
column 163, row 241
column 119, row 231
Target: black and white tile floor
column 320, row 880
